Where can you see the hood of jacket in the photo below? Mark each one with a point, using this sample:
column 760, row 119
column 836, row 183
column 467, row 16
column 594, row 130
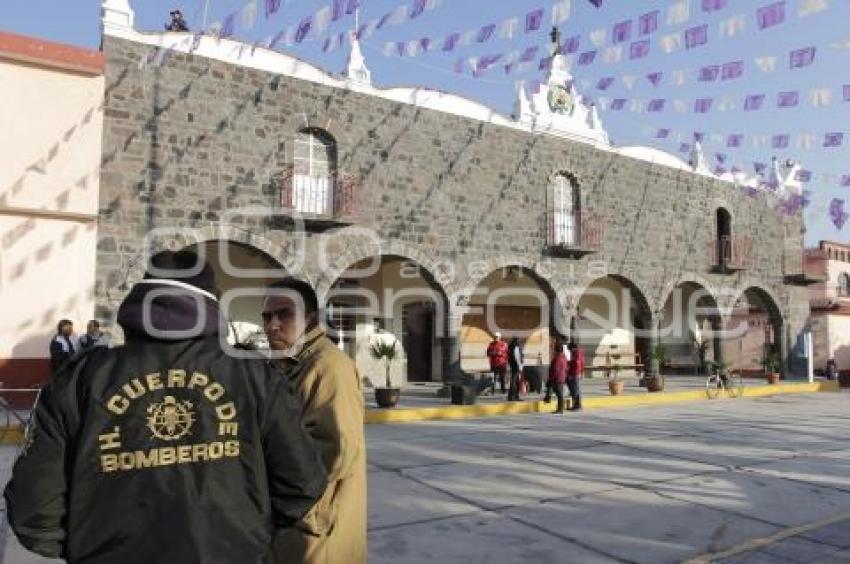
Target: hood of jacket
column 169, row 310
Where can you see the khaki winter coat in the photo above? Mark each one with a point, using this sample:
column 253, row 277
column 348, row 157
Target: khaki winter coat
column 334, row 531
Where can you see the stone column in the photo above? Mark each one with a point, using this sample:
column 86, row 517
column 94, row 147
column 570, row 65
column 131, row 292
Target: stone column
column 653, row 339
column 780, row 342
column 718, row 328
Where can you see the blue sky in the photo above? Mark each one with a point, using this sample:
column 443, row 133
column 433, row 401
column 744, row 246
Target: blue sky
column 78, row 23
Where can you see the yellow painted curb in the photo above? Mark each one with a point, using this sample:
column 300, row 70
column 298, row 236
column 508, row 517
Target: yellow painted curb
column 12, row 435
column 495, row 409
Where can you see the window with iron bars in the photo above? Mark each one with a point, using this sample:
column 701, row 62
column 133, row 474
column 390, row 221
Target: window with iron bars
column 313, row 173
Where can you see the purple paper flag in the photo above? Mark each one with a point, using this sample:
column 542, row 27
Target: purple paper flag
column 228, row 27
column 735, row 169
column 529, row 54
column 418, row 8
column 533, row 20
column 571, row 45
column 733, row 69
column 721, row 158
column 759, row 167
column 788, row 99
column 587, row 58
column 509, row 68
column 451, row 41
column 662, row 134
column 622, row 32
column 326, row 45
column 352, row 6
column 597, row 3
column 485, row 63
column 718, row 170
column 605, row 83
column 485, row 33
column 734, row 140
column 639, row 49
column 781, row 141
column 802, row 57
column 424, row 43
column 618, row 104
column 833, row 139
column 684, row 147
column 401, row 48
column 272, row 6
column 338, row 9
column 699, row 136
column 656, row 105
column 648, row 23
column 804, row 175
column 276, row 39
column 655, row 78
column 771, row 15
column 696, row 36
column 713, row 5
column 703, row 105
column 709, row 73
column 847, row 92
column 303, row 29
column 545, row 63
column 845, row 180
column 754, row 102
column 837, row 213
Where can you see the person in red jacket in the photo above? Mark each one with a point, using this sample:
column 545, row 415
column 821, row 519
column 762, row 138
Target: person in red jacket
column 497, row 352
column 575, row 372
column 557, row 377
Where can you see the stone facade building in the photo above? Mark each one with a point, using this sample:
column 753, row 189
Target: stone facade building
column 830, row 303
column 427, row 207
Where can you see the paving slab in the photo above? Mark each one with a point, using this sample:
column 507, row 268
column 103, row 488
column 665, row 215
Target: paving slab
column 486, row 538
column 718, row 450
column 393, row 455
column 823, row 470
column 773, row 500
column 642, row 526
column 836, row 534
column 504, row 482
column 395, row 500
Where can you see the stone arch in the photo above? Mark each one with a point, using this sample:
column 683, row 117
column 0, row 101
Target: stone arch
column 766, row 296
column 687, row 279
column 644, row 302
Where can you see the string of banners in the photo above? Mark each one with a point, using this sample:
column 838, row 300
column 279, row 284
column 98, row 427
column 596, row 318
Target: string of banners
column 765, row 17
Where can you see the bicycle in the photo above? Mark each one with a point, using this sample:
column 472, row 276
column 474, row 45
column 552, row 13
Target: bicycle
column 719, row 379
column 12, row 423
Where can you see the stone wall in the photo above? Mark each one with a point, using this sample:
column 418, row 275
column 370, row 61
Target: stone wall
column 188, row 142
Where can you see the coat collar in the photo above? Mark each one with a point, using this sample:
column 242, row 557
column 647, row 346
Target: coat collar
column 308, row 342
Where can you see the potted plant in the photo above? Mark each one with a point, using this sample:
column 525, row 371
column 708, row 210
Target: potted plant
column 771, row 364
column 655, row 383
column 465, row 389
column 701, row 348
column 615, row 385
column 384, row 346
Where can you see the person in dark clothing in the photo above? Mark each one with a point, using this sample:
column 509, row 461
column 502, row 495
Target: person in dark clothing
column 177, row 22
column 515, row 360
column 557, row 377
column 93, row 336
column 575, row 372
column 831, row 369
column 61, row 347
column 165, row 449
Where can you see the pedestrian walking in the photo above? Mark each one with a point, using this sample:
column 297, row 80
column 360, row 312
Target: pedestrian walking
column 515, row 360
column 497, row 352
column 165, row 449
column 831, row 369
column 328, row 384
column 575, row 373
column 62, row 346
column 557, row 377
column 93, row 337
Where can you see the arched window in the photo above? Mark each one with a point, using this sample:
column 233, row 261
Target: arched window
column 724, row 237
column 566, row 211
column 314, row 172
column 844, row 285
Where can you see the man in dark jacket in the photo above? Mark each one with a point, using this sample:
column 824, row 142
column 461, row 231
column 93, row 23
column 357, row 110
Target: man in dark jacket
column 62, row 345
column 165, row 449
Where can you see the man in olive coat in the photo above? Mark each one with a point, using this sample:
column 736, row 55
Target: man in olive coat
column 328, row 384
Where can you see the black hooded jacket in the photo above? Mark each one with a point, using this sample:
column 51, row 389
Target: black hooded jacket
column 165, row 450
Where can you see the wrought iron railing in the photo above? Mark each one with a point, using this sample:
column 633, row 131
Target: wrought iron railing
column 574, row 232
column 733, row 252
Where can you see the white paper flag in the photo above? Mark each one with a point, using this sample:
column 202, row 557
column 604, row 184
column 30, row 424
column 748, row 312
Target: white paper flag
column 612, row 54
column 820, row 97
column 716, row 138
column 679, row 77
column 597, row 37
column 841, row 44
column 389, row 49
column 637, row 106
column 679, row 13
column 508, row 28
column 249, row 15
column 809, row 7
column 680, row 106
column 725, row 103
column 399, row 15
column 320, row 21
column 671, row 42
column 766, row 64
column 560, row 12
column 467, row 37
column 629, row 80
column 759, row 141
column 412, row 48
column 733, row 26
column 806, row 140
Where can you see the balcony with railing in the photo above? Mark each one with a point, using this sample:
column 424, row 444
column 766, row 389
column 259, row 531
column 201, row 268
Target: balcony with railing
column 731, row 254
column 573, row 235
column 320, row 202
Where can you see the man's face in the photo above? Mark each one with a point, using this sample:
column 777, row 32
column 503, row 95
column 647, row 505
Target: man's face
column 283, row 321
column 92, row 328
column 68, row 329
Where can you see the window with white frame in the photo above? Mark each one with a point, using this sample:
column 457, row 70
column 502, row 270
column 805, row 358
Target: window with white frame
column 565, row 211
column 314, row 168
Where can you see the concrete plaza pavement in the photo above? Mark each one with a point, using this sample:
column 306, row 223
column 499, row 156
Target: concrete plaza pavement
column 752, row 480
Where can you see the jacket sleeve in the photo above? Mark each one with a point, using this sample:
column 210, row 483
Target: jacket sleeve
column 333, row 415
column 36, row 498
column 295, row 472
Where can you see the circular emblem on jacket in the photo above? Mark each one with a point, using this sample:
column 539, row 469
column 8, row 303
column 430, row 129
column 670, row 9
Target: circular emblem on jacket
column 169, row 419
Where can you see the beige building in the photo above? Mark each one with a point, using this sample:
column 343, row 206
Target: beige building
column 830, row 303
column 52, row 123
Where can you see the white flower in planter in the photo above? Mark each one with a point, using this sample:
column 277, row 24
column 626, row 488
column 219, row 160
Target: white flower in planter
column 384, row 346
